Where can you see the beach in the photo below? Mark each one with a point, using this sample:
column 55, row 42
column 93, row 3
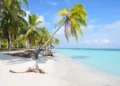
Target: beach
column 61, row 71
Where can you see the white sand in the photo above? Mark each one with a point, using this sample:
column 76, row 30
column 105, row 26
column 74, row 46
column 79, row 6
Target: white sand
column 61, row 71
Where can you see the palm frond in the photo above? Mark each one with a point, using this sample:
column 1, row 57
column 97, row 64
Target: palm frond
column 56, row 41
column 29, row 19
column 82, row 22
column 76, row 25
column 26, row 3
column 77, row 6
column 62, row 20
column 63, row 12
column 78, row 13
column 37, row 23
column 74, row 33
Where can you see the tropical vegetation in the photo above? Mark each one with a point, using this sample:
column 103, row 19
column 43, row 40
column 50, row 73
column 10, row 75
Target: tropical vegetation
column 16, row 32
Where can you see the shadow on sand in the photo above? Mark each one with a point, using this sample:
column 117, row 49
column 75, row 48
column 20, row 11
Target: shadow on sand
column 10, row 60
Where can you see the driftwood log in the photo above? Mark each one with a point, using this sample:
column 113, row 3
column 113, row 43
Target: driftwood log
column 21, row 54
column 32, row 54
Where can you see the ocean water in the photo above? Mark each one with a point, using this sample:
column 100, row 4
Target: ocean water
column 107, row 60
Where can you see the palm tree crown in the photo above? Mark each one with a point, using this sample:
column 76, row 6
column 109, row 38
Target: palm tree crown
column 72, row 20
column 31, row 32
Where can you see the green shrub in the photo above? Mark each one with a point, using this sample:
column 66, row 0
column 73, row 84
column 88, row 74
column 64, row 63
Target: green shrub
column 3, row 45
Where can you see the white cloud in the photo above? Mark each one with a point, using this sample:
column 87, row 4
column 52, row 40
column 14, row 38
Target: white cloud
column 97, row 41
column 91, row 26
column 106, row 41
column 114, row 25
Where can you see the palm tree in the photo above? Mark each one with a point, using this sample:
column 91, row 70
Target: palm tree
column 20, row 29
column 71, row 20
column 31, row 32
column 11, row 12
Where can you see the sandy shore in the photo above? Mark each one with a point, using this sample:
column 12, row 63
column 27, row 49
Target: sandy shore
column 61, row 71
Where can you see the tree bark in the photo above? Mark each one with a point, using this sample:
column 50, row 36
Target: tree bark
column 1, row 4
column 51, row 36
column 0, row 43
column 34, row 54
column 29, row 43
column 9, row 42
column 17, row 44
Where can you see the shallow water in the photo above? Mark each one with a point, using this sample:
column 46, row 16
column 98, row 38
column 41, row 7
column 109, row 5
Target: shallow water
column 107, row 60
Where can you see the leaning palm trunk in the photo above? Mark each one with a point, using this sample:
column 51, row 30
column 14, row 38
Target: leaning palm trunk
column 34, row 54
column 38, row 50
column 51, row 36
column 72, row 21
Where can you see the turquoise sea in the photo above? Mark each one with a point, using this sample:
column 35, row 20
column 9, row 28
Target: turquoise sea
column 107, row 60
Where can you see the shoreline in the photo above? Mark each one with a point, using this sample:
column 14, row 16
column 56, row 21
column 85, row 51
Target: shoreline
column 91, row 74
column 61, row 71
column 93, row 68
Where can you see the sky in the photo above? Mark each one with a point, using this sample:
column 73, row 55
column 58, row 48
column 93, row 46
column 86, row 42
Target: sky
column 103, row 22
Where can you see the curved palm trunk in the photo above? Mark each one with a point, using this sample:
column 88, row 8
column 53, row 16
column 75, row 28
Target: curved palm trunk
column 34, row 54
column 49, row 39
column 52, row 36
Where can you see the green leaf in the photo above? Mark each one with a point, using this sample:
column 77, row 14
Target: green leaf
column 74, row 33
column 76, row 25
column 63, row 12
column 60, row 21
